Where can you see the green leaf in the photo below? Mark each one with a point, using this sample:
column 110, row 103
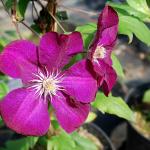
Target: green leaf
column 22, row 6
column 129, row 25
column 117, row 66
column 113, row 105
column 127, row 10
column 1, row 122
column 36, row 28
column 91, row 117
column 146, row 97
column 62, row 15
column 11, row 34
column 140, row 5
column 87, row 32
column 63, row 141
column 8, row 3
column 55, row 124
column 4, row 40
column 83, row 143
column 3, row 89
column 21, row 144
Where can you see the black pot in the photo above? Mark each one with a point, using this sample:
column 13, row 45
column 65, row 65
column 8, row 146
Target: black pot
column 107, row 122
column 99, row 133
column 135, row 140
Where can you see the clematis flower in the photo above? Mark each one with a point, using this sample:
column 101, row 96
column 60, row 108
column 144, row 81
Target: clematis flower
column 25, row 110
column 101, row 48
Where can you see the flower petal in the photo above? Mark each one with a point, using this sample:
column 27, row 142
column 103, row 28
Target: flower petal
column 107, row 27
column 19, row 60
column 107, row 76
column 24, row 113
column 106, row 35
column 79, row 82
column 56, row 50
column 109, row 80
column 70, row 114
column 73, row 43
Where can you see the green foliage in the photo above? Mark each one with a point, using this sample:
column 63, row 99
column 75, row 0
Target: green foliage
column 1, row 122
column 62, row 15
column 22, row 6
column 126, row 10
column 139, row 5
column 146, row 97
column 3, row 89
column 91, row 117
column 21, row 144
column 129, row 25
column 73, row 141
column 7, row 37
column 8, row 3
column 87, row 31
column 117, row 66
column 63, row 141
column 131, row 19
column 83, row 143
column 112, row 105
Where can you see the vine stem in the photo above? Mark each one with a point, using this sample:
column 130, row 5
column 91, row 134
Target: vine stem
column 22, row 22
column 79, row 10
column 57, row 22
column 14, row 20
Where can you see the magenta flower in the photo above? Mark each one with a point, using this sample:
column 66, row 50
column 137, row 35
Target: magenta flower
column 25, row 110
column 101, row 48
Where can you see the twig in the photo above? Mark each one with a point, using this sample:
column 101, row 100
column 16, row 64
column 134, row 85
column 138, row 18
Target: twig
column 17, row 29
column 5, row 8
column 14, row 19
column 38, row 1
column 22, row 22
column 33, row 5
column 57, row 22
column 79, row 10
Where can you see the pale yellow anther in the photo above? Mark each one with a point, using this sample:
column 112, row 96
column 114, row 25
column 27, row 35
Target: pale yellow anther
column 100, row 52
column 49, row 85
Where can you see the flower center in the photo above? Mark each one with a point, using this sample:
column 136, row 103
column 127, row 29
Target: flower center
column 47, row 84
column 100, row 52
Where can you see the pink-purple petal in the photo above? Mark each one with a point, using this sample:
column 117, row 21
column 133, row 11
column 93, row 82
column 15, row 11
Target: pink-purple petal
column 109, row 80
column 80, row 83
column 106, row 76
column 56, row 50
column 107, row 27
column 73, row 43
column 70, row 113
column 25, row 113
column 19, row 60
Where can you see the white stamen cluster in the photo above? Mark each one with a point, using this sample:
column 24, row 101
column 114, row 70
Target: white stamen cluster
column 48, row 84
column 100, row 52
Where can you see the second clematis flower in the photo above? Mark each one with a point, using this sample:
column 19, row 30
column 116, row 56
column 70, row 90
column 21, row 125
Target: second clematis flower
column 101, row 48
column 25, row 110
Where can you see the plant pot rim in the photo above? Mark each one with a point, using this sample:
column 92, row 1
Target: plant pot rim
column 128, row 99
column 100, row 131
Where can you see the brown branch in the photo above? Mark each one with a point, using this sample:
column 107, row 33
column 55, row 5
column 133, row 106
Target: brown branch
column 57, row 22
column 51, row 8
column 14, row 18
column 5, row 8
column 79, row 10
column 28, row 27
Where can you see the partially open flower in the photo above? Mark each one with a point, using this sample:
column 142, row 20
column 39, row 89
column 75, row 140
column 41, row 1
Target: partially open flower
column 101, row 48
column 25, row 110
